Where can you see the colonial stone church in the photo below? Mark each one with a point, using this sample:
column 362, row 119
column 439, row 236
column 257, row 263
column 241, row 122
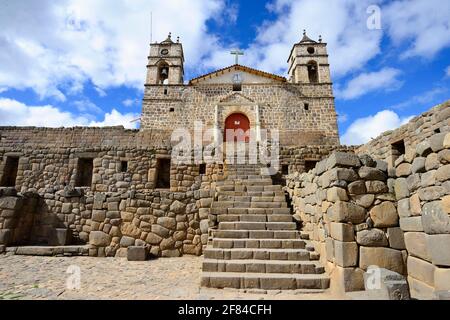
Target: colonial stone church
column 322, row 221
column 239, row 97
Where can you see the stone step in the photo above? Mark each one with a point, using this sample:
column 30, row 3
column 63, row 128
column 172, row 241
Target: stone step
column 245, row 176
column 257, row 254
column 244, row 225
column 254, row 218
column 81, row 250
column 265, row 281
column 261, row 266
column 224, row 210
column 245, row 193
column 234, row 204
column 251, row 199
column 258, row 243
column 256, row 234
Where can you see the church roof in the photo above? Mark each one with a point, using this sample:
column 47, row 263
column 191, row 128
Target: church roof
column 306, row 39
column 240, row 68
column 168, row 40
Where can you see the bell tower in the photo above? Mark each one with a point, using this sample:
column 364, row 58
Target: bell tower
column 165, row 63
column 308, row 62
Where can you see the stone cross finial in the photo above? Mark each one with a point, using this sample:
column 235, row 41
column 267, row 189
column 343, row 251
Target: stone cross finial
column 170, row 35
column 320, row 38
column 178, row 39
column 237, row 53
column 304, row 32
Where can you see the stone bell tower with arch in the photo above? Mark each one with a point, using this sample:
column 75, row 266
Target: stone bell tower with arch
column 166, row 63
column 308, row 62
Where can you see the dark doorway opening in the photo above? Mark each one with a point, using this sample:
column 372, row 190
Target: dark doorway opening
column 85, row 169
column 163, row 174
column 10, row 172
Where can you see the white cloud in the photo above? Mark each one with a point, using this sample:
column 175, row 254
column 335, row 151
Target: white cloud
column 86, row 106
column 424, row 98
column 15, row 113
column 343, row 25
column 422, row 23
column 115, row 118
column 130, row 102
column 54, row 47
column 385, row 79
column 364, row 129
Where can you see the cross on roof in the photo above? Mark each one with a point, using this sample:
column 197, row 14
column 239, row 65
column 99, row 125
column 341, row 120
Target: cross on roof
column 237, row 53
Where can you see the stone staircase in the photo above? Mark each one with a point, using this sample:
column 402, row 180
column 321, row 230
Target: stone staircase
column 257, row 245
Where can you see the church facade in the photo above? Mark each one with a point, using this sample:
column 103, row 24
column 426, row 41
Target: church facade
column 238, row 97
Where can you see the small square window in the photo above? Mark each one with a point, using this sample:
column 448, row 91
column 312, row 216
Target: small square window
column 172, row 110
column 123, row 166
column 285, row 169
column 237, row 87
column 202, row 168
column 166, row 91
column 437, row 130
column 306, row 106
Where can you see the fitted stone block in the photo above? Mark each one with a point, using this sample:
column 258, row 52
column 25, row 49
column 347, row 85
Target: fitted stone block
column 439, row 248
column 416, row 244
column 342, row 232
column 421, row 270
column 346, row 253
column 381, row 257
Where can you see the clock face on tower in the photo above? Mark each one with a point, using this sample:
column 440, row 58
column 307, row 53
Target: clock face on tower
column 164, row 52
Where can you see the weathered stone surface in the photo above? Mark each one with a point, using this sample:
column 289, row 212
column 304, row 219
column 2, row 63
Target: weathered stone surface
column 347, row 212
column 416, row 244
column 401, row 188
column 98, row 215
column 347, row 279
column 372, row 238
column 445, row 204
column 418, row 165
column 444, row 156
column 439, row 248
column 342, row 231
column 153, row 239
column 382, row 257
column 357, row 187
column 423, row 148
column 421, row 270
column 446, row 142
column 168, row 223
column 434, row 219
column 403, row 170
column 443, row 173
column 437, row 141
column 10, row 202
column 338, row 159
column 414, row 204
column 160, row 231
column 384, row 215
column 177, row 207
column 431, row 193
column 136, row 254
column 99, row 239
column 442, row 279
column 346, row 253
column 367, row 161
column 396, row 238
column 403, row 208
column 127, row 242
column 420, row 290
column 376, row 187
column 411, row 224
column 336, row 194
column 432, row 162
column 368, row 173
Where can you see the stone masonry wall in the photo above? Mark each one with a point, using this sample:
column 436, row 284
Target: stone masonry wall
column 422, row 189
column 350, row 214
column 417, row 130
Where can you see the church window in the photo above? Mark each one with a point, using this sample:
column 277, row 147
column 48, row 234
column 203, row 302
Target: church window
column 85, row 169
column 166, row 91
column 163, row 174
column 311, row 50
column 313, row 72
column 172, row 110
column 10, row 172
column 237, row 87
column 306, row 106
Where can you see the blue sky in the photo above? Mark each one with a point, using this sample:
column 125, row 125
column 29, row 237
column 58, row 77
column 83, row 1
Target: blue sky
column 79, row 62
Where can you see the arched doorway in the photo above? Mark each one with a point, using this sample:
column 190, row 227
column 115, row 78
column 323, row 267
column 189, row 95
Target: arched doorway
column 237, row 128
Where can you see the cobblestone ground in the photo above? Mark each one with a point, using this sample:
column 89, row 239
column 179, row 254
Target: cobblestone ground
column 26, row 277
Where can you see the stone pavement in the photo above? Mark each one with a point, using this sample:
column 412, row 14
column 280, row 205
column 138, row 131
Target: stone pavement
column 44, row 278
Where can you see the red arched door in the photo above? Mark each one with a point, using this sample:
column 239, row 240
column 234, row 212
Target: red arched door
column 237, row 128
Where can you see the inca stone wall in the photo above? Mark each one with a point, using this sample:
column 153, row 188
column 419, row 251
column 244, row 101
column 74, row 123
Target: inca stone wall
column 417, row 130
column 281, row 106
column 347, row 208
column 422, row 189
